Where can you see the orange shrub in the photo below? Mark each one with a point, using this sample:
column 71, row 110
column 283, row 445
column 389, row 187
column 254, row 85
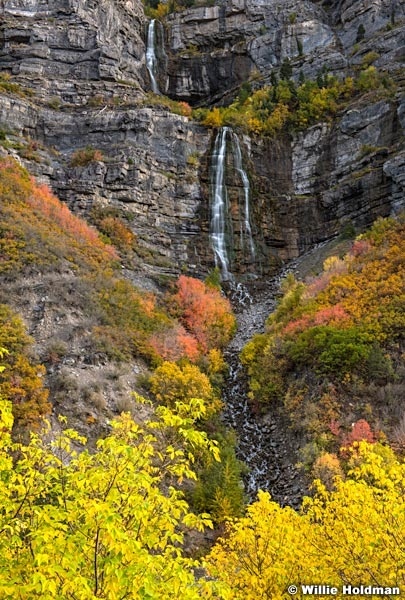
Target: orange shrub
column 175, row 343
column 361, row 431
column 50, row 207
column 21, row 381
column 185, row 109
column 204, row 312
column 332, row 315
column 85, row 156
column 119, row 234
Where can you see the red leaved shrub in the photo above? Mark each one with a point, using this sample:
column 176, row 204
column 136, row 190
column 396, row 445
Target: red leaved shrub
column 204, row 312
column 175, row 343
column 361, row 431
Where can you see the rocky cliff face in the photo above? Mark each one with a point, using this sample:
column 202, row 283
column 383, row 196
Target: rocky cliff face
column 82, row 68
column 66, row 42
column 309, row 185
column 214, row 49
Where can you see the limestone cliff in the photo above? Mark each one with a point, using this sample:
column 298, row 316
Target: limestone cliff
column 83, row 80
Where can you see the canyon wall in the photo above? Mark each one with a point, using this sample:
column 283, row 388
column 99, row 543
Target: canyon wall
column 83, row 81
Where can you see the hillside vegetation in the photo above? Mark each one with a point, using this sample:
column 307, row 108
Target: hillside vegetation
column 111, row 524
column 179, row 335
column 116, row 518
column 333, row 349
column 39, row 235
column 285, row 105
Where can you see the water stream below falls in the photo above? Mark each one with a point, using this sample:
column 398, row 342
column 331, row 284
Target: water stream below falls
column 265, row 443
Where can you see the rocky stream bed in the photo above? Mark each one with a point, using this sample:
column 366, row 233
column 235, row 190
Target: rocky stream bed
column 266, row 443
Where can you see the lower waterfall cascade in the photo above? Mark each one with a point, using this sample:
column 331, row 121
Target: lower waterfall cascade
column 219, row 205
column 245, row 229
column 221, row 230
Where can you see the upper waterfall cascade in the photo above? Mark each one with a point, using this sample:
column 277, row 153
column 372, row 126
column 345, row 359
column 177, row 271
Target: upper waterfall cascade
column 221, row 225
column 151, row 60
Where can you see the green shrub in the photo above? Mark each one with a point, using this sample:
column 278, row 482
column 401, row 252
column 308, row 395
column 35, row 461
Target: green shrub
column 333, row 351
column 85, row 156
column 219, row 489
column 360, row 33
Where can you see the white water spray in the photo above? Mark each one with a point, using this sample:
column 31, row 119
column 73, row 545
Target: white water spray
column 219, row 204
column 246, row 229
column 220, row 226
column 151, row 60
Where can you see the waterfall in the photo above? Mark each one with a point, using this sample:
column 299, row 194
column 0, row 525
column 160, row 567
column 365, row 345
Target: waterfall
column 219, row 204
column 151, row 60
column 220, row 222
column 245, row 229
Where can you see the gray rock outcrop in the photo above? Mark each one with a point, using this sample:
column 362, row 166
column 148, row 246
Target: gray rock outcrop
column 70, row 41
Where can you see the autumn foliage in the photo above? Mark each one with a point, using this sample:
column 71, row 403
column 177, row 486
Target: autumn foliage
column 85, row 156
column 39, row 229
column 204, row 312
column 354, row 533
column 171, row 383
column 287, row 106
column 103, row 524
column 112, row 522
column 334, row 342
column 204, row 322
column 39, row 232
column 175, row 343
column 21, row 381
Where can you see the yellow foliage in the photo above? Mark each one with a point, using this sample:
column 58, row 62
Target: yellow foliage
column 213, row 118
column 21, row 381
column 354, row 534
column 254, row 125
column 334, row 263
column 101, row 524
column 162, row 10
column 278, row 118
column 261, row 553
column 327, row 468
column 216, row 362
column 171, row 383
column 372, row 290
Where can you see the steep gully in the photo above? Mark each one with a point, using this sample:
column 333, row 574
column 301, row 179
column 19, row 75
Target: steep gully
column 265, row 444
